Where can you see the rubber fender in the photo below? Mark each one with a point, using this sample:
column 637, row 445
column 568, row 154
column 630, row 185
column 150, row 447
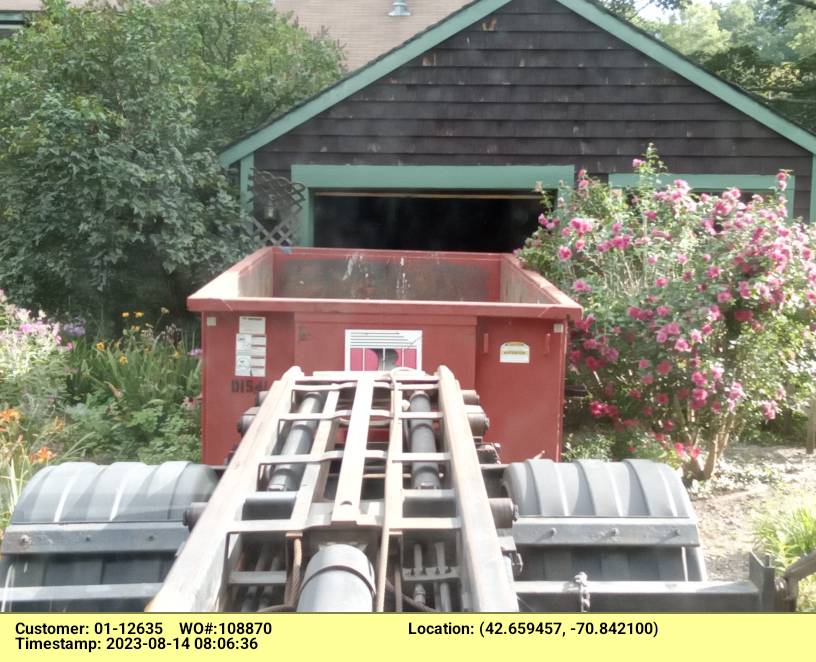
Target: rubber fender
column 87, row 537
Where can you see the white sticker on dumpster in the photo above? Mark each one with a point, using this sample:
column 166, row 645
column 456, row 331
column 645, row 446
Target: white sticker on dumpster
column 383, row 349
column 252, row 325
column 514, row 352
column 250, row 347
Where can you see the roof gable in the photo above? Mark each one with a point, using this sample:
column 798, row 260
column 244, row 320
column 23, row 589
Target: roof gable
column 423, row 42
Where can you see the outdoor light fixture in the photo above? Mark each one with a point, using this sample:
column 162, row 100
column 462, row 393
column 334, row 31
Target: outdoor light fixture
column 400, row 9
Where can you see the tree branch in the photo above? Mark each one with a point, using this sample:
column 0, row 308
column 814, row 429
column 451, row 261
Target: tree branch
column 807, row 4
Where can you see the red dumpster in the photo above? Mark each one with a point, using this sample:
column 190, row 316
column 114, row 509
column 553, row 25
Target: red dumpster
column 501, row 329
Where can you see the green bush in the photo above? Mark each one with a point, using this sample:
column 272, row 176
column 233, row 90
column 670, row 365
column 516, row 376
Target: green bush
column 137, row 397
column 787, row 533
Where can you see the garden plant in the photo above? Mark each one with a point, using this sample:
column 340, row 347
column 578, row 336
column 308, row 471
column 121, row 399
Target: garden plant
column 699, row 309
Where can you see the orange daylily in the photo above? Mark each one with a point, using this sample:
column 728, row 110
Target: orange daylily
column 43, row 455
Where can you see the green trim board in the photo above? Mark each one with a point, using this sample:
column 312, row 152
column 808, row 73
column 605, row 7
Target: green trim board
column 316, row 178
column 521, row 178
column 245, row 171
column 715, row 182
column 12, row 17
column 813, row 190
column 476, row 11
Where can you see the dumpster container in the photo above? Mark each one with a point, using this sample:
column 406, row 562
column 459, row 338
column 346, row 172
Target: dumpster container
column 500, row 328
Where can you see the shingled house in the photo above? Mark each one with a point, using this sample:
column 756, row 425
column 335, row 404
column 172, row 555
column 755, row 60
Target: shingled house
column 438, row 143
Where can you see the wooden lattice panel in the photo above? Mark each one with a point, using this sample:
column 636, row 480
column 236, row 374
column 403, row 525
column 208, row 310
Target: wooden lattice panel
column 284, row 199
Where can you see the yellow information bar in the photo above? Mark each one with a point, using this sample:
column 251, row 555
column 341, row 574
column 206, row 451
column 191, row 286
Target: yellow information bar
column 392, row 637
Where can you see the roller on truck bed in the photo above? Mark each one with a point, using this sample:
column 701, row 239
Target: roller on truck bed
column 367, row 483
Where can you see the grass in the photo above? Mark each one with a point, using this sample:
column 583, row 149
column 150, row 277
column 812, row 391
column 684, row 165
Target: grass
column 787, row 531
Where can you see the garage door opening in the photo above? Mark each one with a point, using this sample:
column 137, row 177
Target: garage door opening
column 457, row 221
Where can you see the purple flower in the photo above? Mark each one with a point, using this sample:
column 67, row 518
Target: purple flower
column 196, row 351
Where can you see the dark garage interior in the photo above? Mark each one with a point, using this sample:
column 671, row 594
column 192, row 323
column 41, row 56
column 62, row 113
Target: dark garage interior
column 483, row 222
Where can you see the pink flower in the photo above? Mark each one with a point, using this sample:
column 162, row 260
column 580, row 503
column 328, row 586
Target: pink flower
column 580, row 285
column 647, row 379
column 769, row 410
column 682, row 259
column 707, row 329
column 662, row 311
column 590, row 344
column 713, row 272
column 664, row 367
column 634, row 393
column 662, row 336
column 662, row 282
column 584, row 324
column 743, row 315
column 699, row 395
column 644, row 363
column 682, row 345
column 542, row 220
column 564, row 253
column 622, row 241
column 696, row 336
column 724, row 296
column 579, row 245
column 636, row 163
column 716, row 372
column 575, row 356
column 597, row 409
column 662, row 399
column 581, row 225
column 744, row 289
column 699, row 379
column 672, row 328
column 593, row 364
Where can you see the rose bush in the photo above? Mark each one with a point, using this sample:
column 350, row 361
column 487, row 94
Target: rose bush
column 700, row 315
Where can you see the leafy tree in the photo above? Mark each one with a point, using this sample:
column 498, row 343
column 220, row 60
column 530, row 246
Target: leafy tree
column 630, row 9
column 112, row 194
column 765, row 47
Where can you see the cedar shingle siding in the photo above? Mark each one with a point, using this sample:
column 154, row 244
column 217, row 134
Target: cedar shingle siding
column 535, row 83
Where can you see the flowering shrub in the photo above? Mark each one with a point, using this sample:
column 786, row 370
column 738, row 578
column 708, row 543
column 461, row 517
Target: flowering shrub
column 136, row 397
column 32, row 358
column 700, row 308
column 32, row 389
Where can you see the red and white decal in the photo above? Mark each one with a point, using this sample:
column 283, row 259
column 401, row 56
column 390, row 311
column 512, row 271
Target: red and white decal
column 383, row 349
